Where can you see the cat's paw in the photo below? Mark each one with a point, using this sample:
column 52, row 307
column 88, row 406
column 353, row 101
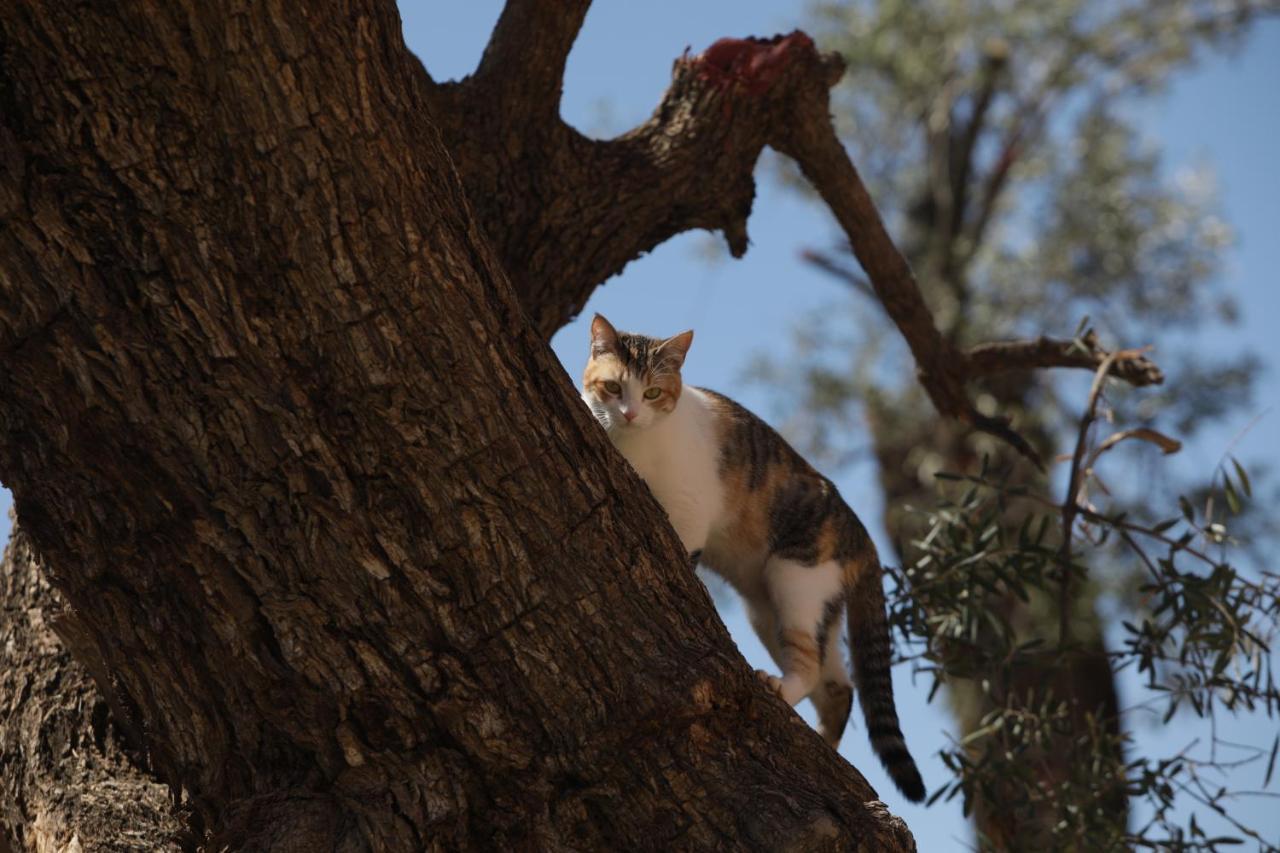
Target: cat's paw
column 773, row 682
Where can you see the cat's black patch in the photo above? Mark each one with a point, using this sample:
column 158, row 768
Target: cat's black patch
column 805, row 501
column 752, row 446
column 881, row 730
column 645, row 356
column 797, row 512
column 634, row 350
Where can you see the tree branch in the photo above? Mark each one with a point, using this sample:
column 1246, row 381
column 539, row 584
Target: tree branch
column 811, row 140
column 995, row 58
column 523, row 64
column 566, row 212
column 1133, row 367
column 832, row 267
column 1070, row 503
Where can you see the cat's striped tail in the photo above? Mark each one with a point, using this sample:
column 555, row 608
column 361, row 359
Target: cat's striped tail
column 871, row 650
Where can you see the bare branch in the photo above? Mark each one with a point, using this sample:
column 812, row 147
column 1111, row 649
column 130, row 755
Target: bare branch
column 1166, row 444
column 1002, row 357
column 811, row 140
column 834, row 268
column 524, row 61
column 995, row 59
column 1071, row 503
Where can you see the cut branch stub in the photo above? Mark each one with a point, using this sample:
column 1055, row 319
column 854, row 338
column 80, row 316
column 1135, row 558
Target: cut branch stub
column 752, row 65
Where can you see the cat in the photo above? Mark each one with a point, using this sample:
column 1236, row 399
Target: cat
column 751, row 509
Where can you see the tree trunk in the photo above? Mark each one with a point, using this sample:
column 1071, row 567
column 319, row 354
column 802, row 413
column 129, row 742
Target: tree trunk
column 903, row 445
column 324, row 508
column 66, row 780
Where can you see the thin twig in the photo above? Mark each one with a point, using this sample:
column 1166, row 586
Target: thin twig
column 1070, row 504
column 830, row 266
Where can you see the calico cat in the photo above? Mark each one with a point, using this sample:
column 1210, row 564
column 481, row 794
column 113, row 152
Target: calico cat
column 752, row 510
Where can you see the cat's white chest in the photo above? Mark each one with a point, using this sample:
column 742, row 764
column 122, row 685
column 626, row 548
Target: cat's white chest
column 678, row 459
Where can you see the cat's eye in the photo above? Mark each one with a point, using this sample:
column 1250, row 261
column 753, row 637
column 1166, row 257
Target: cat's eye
column 652, row 393
column 613, row 388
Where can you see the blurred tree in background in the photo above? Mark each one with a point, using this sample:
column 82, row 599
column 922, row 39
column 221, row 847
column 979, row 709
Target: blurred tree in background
column 997, row 138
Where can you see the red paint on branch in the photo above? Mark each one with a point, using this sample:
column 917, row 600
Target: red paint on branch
column 750, row 64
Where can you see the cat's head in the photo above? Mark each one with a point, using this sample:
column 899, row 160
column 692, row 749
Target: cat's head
column 632, row 381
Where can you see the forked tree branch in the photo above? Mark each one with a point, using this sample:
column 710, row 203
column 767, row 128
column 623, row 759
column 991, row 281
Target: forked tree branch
column 566, row 212
column 525, row 59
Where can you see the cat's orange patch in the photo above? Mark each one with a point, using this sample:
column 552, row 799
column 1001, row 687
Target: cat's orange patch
column 749, row 533
column 601, row 369
column 856, row 569
column 828, row 541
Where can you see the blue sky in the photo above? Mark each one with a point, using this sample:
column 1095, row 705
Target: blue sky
column 1225, row 114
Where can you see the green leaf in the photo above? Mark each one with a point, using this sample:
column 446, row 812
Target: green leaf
column 1188, row 512
column 1244, row 477
column 1233, row 500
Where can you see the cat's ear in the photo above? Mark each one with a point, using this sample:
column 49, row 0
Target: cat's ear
column 604, row 337
column 676, row 347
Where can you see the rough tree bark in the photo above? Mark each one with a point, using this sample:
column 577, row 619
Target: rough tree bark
column 67, row 782
column 327, row 516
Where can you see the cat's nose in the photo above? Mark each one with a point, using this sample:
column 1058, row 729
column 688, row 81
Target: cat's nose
column 629, row 414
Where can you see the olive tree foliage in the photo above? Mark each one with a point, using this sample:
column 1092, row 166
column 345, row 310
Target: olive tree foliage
column 1197, row 627
column 1000, row 138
